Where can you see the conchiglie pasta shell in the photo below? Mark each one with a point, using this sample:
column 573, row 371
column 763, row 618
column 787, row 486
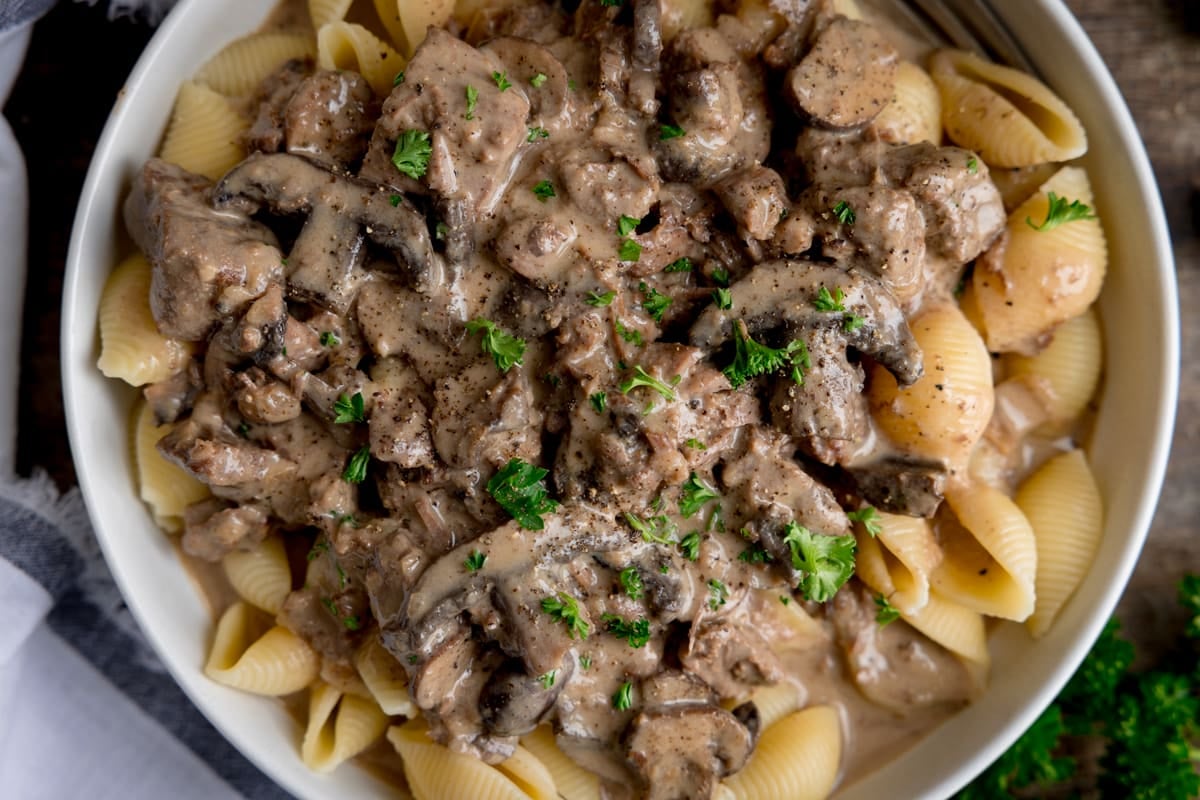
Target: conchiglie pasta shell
column 915, row 112
column 331, row 738
column 799, row 630
column 276, row 664
column 262, row 576
column 242, row 66
column 1007, row 116
column 205, row 132
column 775, row 702
column 959, row 630
column 407, row 21
column 323, row 12
column 991, row 557
column 131, row 348
column 1041, row 279
column 942, row 415
column 797, row 758
column 528, row 772
column 1068, row 369
column 385, row 679
column 163, row 486
column 908, row 553
column 1064, row 506
column 437, row 773
column 344, row 45
column 572, row 781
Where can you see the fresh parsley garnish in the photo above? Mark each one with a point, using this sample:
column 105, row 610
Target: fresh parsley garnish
column 869, row 518
column 844, row 213
column 599, row 300
column 643, row 378
column 356, row 468
column 636, row 633
column 631, row 335
column 472, row 101
column 547, row 679
column 475, row 561
column 565, row 609
column 243, row 430
column 723, row 298
column 348, row 409
column 350, row 622
column 399, row 79
column 505, row 349
column 670, row 132
column 826, row 301
column 520, row 490
column 627, row 225
column 394, row 199
column 751, row 359
column 886, row 613
column 330, row 339
column 631, row 580
column 720, row 276
column 585, row 661
column 694, row 495
column 440, row 230
column 412, row 153
column 319, row 546
column 826, row 562
column 537, row 133
column 599, row 401
column 852, row 322
column 754, row 554
column 654, row 302
column 537, row 80
column 783, row 598
column 719, row 592
column 695, row 444
column 543, row 190
column 659, row 530
column 629, row 250
column 679, row 265
column 623, row 699
column 1061, row 212
column 502, row 81
column 690, row 546
column 972, row 165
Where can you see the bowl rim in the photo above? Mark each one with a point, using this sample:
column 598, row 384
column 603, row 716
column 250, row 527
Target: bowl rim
column 1161, row 257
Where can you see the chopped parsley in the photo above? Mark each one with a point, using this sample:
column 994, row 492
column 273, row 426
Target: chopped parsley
column 520, row 490
column 690, row 546
column 547, row 680
column 972, row 165
column 629, row 250
column 719, row 592
column 679, row 265
column 754, row 554
column 565, row 609
column 844, row 213
column 659, row 530
column 472, row 101
column 783, row 598
column 852, row 322
column 356, row 468
column 319, row 546
column 585, row 661
column 636, row 633
column 826, row 562
column 830, row 302
column 887, row 612
column 627, row 225
column 630, row 335
column 599, row 401
column 631, row 580
column 694, row 495
column 244, row 430
column 505, row 349
column 330, row 339
column 695, row 444
column 623, row 699
column 394, row 199
column 666, row 132
column 351, row 622
column 543, row 190
column 348, row 409
column 643, row 378
column 1061, row 212
column 412, row 153
column 869, row 518
column 654, row 302
column 537, row 80
column 502, row 81
column 720, row 276
column 751, row 359
column 723, row 298
column 475, row 561
column 599, row 300
column 537, row 133
column 399, row 79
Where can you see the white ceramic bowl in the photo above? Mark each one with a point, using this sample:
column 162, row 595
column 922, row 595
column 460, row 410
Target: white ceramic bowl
column 1129, row 450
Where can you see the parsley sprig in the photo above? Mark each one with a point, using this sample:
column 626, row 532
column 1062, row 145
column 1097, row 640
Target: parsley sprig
column 826, row 562
column 751, row 359
column 658, row 530
column 356, row 467
column 348, row 409
column 885, row 613
column 694, row 495
column 643, row 378
column 565, row 609
column 631, row 581
column 504, row 348
column 635, row 633
column 654, row 302
column 411, row 156
column 520, row 490
column 623, row 698
column 1060, row 212
column 869, row 518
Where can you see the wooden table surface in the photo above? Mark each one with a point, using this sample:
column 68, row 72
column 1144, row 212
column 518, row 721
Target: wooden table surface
column 78, row 61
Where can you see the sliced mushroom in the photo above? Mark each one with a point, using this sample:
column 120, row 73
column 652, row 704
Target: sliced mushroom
column 847, row 77
column 902, row 485
column 514, row 702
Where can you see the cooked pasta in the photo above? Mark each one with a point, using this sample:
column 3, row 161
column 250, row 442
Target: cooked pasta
column 344, row 45
column 571, row 781
column 276, row 663
column 775, row 702
column 1038, row 279
column 1065, row 509
column 323, row 12
column 944, row 413
column 166, row 488
column 384, row 678
column 529, row 774
column 340, row 726
column 131, row 348
column 435, row 772
column 1068, row 369
column 204, row 135
column 990, row 556
column 245, row 63
column 915, row 113
column 797, row 758
column 260, row 576
column 903, row 554
column 959, row 630
column 407, row 20
column 1007, row 116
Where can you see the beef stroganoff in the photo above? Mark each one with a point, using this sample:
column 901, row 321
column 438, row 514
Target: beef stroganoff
column 622, row 398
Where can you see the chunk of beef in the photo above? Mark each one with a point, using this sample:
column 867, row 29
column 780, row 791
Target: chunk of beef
column 731, row 658
column 902, row 485
column 847, row 77
column 330, row 118
column 266, row 135
column 482, row 418
column 756, row 198
column 207, row 264
column 212, row 530
column 172, row 398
